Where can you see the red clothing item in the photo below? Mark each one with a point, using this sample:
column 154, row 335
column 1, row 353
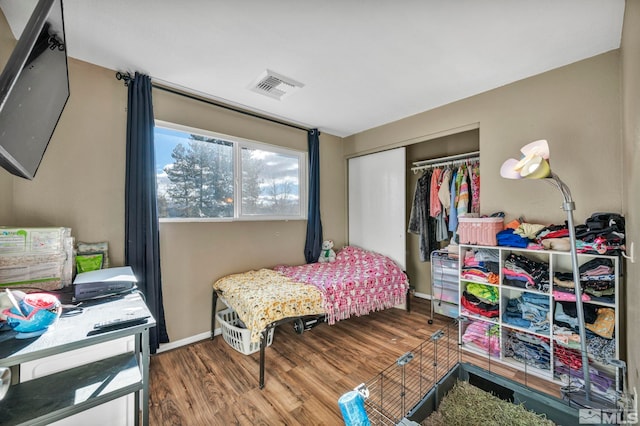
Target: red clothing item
column 479, row 311
column 556, row 234
column 435, row 207
column 569, row 357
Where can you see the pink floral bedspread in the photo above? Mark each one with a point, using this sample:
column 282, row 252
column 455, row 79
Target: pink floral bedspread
column 357, row 283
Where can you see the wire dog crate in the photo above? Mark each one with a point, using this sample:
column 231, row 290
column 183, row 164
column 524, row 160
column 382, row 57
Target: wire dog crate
column 412, row 387
column 397, row 390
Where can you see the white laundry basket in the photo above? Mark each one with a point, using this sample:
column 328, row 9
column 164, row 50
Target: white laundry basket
column 238, row 338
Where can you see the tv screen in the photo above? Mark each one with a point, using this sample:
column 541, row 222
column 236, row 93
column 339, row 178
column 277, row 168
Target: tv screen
column 34, row 88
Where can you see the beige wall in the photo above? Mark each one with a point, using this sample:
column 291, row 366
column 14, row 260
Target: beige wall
column 193, row 255
column 576, row 108
column 80, row 184
column 630, row 60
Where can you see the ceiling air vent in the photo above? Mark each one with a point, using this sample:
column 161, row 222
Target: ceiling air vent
column 275, row 85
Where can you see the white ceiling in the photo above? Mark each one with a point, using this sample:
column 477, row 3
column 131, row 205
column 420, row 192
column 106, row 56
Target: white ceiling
column 363, row 63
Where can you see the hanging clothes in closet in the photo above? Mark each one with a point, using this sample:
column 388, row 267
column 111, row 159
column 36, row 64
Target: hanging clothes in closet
column 465, row 193
column 436, row 210
column 474, row 167
column 442, row 194
column 420, row 221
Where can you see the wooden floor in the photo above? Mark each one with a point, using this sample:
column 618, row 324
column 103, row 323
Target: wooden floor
column 210, row 383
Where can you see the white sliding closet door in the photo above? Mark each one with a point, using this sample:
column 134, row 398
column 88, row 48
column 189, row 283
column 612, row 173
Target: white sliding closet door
column 377, row 203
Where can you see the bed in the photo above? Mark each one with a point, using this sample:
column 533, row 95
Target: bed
column 357, row 283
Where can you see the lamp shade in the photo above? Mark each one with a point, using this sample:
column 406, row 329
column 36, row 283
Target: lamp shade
column 539, row 147
column 535, row 168
column 533, row 164
column 508, row 169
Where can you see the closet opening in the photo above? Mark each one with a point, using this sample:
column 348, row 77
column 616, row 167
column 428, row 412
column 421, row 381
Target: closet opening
column 443, row 153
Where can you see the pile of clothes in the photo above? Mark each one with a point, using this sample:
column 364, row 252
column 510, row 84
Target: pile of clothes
column 481, row 265
column 530, row 311
column 520, row 271
column 568, row 368
column 597, row 282
column 602, row 233
column 597, row 278
column 601, row 344
column 575, row 377
column 528, row 348
column 483, row 336
column 599, row 320
column 480, row 299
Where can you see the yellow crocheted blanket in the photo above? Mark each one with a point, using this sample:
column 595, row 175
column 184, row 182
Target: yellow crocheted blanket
column 265, row 296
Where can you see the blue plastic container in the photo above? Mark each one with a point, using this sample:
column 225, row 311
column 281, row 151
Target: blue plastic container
column 352, row 408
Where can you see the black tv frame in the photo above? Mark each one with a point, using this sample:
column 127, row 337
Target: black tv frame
column 21, row 55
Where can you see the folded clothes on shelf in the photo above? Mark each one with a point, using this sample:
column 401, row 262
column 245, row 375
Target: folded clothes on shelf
column 529, row 349
column 484, row 335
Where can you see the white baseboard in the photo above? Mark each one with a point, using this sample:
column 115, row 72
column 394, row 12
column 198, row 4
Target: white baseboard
column 422, row 295
column 187, row 340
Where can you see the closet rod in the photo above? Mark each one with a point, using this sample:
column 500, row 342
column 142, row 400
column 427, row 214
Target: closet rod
column 464, row 156
column 441, row 161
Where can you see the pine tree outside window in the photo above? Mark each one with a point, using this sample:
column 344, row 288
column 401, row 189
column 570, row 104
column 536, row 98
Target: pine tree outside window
column 200, row 175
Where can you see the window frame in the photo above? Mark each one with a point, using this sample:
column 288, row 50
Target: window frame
column 238, row 144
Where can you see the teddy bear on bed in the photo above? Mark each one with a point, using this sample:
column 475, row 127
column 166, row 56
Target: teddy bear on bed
column 327, row 255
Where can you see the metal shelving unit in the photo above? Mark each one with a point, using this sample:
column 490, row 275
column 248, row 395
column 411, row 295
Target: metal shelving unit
column 62, row 394
column 445, row 295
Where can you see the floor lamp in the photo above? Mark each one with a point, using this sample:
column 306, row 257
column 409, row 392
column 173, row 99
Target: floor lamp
column 534, row 164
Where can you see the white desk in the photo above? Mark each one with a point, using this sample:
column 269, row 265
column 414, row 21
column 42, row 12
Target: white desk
column 62, row 394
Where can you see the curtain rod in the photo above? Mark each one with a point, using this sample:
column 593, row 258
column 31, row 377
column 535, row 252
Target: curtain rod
column 126, row 77
column 441, row 161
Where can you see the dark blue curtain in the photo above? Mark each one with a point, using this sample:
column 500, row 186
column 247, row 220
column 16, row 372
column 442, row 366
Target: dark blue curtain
column 142, row 242
column 313, row 243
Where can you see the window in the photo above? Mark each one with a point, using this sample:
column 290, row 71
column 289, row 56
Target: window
column 200, row 175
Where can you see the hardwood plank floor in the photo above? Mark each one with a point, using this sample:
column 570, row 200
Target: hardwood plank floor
column 210, row 383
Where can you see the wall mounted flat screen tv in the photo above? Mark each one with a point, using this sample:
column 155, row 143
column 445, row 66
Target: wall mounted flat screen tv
column 34, row 88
